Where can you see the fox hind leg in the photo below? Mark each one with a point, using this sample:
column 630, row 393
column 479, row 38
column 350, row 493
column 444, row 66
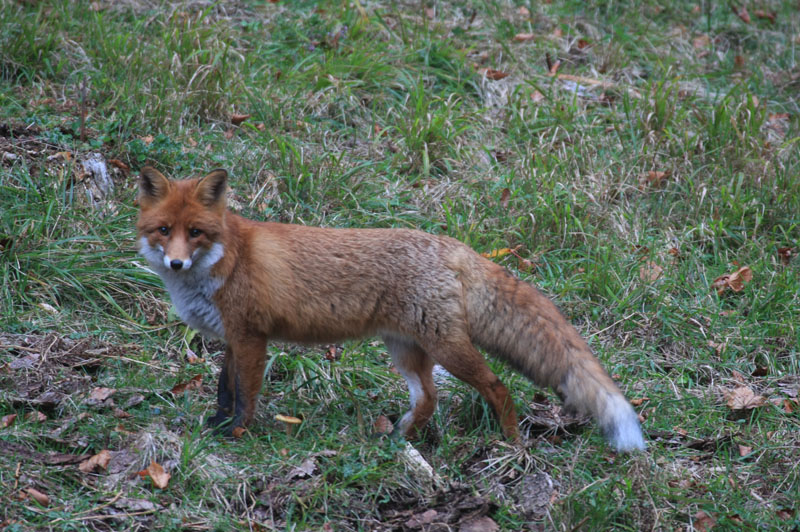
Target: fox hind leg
column 466, row 363
column 416, row 367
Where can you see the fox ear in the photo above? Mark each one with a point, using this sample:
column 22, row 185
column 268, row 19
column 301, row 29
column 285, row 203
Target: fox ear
column 153, row 186
column 211, row 189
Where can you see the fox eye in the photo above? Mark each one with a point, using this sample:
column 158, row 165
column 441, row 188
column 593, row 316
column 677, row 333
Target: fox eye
column 164, row 230
column 194, row 232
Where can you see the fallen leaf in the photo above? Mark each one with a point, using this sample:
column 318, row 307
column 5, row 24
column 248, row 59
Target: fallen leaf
column 639, row 401
column 238, row 432
column 703, row 522
column 524, row 37
column 738, row 278
column 505, row 195
column 743, row 398
column 8, row 420
column 718, row 347
column 192, row 358
column 735, row 281
column 769, row 15
column 147, row 139
column 237, row 119
column 195, row 383
column 497, row 253
column 785, row 255
column 479, row 524
column 38, row 496
column 100, row 460
column 228, row 134
column 744, row 450
column 382, row 425
column 738, row 61
column 742, row 13
column 120, row 414
column 101, row 394
column 157, row 474
column 650, row 271
column 36, row 416
column 304, row 470
column 493, row 74
column 582, row 44
column 119, row 165
column 653, row 178
column 419, row 520
column 701, row 42
column 760, row 371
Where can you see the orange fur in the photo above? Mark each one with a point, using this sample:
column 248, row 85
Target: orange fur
column 430, row 297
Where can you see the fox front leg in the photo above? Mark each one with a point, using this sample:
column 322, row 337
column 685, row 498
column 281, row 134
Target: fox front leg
column 239, row 383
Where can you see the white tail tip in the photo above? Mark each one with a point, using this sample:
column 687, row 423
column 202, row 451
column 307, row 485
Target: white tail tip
column 621, row 426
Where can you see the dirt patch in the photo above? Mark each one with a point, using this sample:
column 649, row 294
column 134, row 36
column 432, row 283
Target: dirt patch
column 41, row 371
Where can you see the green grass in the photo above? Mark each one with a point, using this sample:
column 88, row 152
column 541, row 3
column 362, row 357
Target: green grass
column 379, row 115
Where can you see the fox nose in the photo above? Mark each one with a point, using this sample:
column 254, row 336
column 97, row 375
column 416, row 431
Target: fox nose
column 176, row 264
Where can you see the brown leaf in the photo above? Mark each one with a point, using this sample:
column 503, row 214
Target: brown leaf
column 36, row 416
column 479, row 524
column 524, row 37
column 119, row 165
column 237, row 119
column 703, row 522
column 101, row 394
column 419, row 520
column 785, row 255
column 735, row 281
column 38, row 496
column 744, row 450
column 493, row 74
column 718, row 347
column 382, row 425
column 505, row 195
column 238, row 432
column 8, row 420
column 120, row 414
column 742, row 13
column 653, row 178
column 157, row 474
column 650, row 271
column 582, row 44
column 304, row 470
column 769, row 15
column 743, row 398
column 228, row 134
column 192, row 358
column 701, row 42
column 739, row 278
column 195, row 383
column 100, row 460
column 147, row 139
column 639, row 401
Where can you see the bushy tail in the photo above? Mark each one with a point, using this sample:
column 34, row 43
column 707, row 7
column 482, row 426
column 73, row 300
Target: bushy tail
column 513, row 321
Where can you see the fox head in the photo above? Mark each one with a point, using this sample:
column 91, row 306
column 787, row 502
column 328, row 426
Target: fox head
column 180, row 222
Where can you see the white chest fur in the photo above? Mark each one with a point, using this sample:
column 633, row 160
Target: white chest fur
column 191, row 290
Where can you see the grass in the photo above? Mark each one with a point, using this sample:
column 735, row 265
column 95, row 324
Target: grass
column 662, row 155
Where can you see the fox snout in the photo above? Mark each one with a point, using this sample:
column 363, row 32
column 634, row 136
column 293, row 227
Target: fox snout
column 177, row 264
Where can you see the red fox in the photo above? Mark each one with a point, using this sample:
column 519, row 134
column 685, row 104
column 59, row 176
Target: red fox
column 431, row 298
